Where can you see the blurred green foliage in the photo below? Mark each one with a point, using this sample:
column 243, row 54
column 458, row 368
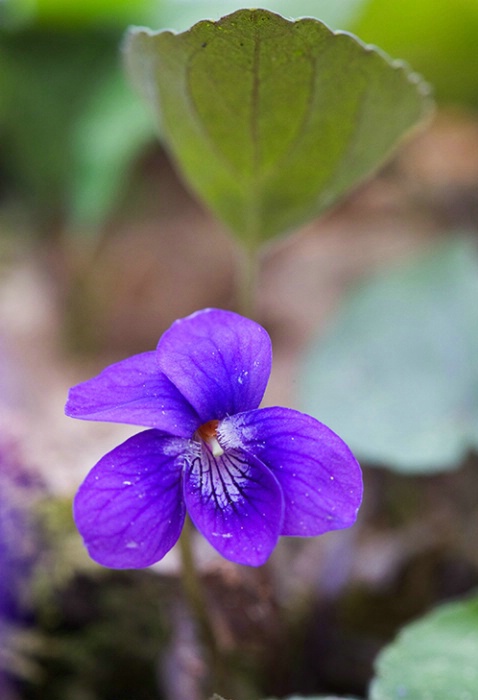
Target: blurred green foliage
column 437, row 37
column 47, row 80
column 70, row 125
column 77, row 13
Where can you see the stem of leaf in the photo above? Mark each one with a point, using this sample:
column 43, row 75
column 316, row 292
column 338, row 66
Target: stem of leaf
column 194, row 592
column 247, row 282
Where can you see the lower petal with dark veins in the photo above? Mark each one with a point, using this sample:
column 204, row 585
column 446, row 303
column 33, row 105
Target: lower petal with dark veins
column 235, row 502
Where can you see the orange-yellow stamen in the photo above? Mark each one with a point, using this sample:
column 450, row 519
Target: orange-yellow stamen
column 208, row 433
column 208, row 430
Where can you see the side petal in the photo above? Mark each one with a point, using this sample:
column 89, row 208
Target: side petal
column 236, row 503
column 134, row 391
column 320, row 478
column 219, row 361
column 130, row 508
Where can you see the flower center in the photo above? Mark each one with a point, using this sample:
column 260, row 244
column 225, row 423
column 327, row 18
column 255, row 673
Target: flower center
column 207, row 432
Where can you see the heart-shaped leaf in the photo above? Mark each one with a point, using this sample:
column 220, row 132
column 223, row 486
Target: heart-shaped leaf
column 396, row 375
column 272, row 120
column 432, row 659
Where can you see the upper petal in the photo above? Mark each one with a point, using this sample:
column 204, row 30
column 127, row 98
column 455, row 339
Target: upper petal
column 219, row 361
column 134, row 391
column 130, row 508
column 236, row 503
column 320, row 478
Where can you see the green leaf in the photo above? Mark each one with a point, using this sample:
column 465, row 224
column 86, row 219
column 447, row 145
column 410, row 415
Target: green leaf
column 432, row 659
column 396, row 375
column 271, row 120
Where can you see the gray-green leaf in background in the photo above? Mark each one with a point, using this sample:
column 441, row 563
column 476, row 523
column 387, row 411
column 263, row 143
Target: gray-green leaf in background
column 435, row 658
column 396, row 373
column 272, row 120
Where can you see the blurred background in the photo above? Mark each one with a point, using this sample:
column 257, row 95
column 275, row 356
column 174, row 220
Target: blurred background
column 102, row 247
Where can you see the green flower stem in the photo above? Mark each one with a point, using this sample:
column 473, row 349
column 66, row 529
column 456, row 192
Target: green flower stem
column 194, row 592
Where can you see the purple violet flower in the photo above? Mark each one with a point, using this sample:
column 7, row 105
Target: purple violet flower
column 246, row 475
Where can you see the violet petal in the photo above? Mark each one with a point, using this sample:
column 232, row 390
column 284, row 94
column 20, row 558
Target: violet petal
column 219, row 361
column 130, row 508
column 236, row 503
column 320, row 478
column 133, row 391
